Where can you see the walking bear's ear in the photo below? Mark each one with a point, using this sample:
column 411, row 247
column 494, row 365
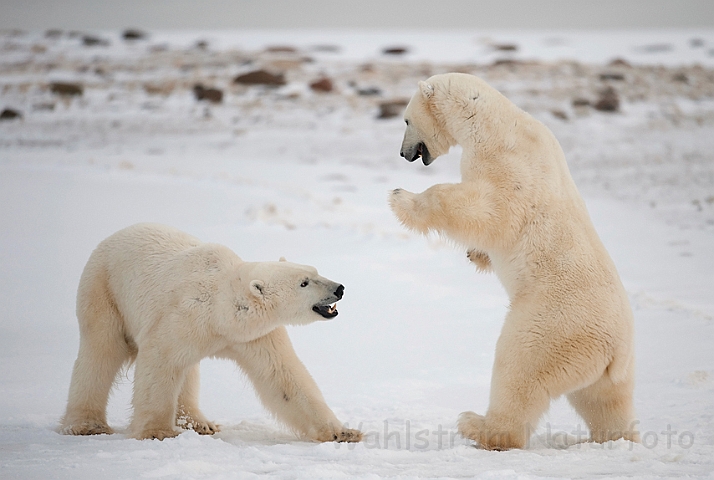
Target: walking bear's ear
column 282, row 259
column 256, row 288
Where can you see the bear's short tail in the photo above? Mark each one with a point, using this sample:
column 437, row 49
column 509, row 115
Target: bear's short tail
column 621, row 366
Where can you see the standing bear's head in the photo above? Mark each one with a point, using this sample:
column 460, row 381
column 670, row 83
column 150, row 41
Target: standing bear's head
column 291, row 293
column 443, row 111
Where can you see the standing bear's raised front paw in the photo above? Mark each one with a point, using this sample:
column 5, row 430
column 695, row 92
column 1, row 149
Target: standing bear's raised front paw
column 480, row 259
column 403, row 204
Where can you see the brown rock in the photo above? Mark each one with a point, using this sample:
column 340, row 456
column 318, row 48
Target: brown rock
column 281, row 49
column 559, row 114
column 92, row 41
column 609, row 101
column 212, row 95
column 581, row 102
column 395, row 50
column 66, row 89
column 680, row 77
column 619, row 62
column 260, row 77
column 133, row 34
column 10, row 114
column 323, row 85
column 392, row 108
column 612, row 76
column 505, row 47
column 159, row 88
column 507, row 62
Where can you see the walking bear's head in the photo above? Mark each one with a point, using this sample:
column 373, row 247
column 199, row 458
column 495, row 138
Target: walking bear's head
column 295, row 294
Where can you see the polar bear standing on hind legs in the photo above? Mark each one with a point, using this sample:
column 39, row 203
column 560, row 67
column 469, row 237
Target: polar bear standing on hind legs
column 569, row 330
column 153, row 295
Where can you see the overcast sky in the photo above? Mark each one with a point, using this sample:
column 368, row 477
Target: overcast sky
column 363, row 14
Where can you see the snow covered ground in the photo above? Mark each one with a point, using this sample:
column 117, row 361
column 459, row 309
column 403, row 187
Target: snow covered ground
column 293, row 172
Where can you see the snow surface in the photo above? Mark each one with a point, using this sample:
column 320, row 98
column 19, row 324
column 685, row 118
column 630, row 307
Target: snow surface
column 289, row 172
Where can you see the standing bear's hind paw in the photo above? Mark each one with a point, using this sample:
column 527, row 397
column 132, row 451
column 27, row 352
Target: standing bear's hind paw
column 474, row 426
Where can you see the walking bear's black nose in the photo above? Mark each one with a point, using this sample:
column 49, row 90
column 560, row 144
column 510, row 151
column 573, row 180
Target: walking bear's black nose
column 339, row 292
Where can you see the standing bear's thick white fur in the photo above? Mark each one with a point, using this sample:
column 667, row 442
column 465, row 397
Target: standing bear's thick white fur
column 156, row 296
column 569, row 329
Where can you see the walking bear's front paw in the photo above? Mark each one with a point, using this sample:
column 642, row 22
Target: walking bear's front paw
column 339, row 434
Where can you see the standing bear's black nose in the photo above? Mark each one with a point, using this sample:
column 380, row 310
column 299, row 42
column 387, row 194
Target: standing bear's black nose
column 339, row 292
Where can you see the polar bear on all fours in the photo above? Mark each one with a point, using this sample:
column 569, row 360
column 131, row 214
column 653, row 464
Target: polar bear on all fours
column 163, row 299
column 569, row 330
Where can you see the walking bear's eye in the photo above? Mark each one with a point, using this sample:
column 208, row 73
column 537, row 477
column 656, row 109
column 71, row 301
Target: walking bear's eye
column 305, row 283
column 407, row 122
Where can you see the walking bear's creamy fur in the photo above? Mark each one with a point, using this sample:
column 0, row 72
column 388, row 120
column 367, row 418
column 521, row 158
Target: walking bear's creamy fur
column 163, row 299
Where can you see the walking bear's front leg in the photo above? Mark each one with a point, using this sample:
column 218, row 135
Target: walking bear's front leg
column 287, row 390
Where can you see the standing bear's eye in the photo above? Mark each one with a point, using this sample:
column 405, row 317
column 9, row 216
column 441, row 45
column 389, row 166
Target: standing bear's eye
column 407, row 122
column 305, row 283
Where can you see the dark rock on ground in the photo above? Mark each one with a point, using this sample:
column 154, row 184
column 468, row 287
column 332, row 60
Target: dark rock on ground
column 281, row 49
column 66, row 89
column 92, row 41
column 505, row 47
column 392, row 108
column 619, row 62
column 323, row 85
column 213, row 95
column 260, row 77
column 608, row 101
column 612, row 76
column 395, row 50
column 10, row 114
column 133, row 34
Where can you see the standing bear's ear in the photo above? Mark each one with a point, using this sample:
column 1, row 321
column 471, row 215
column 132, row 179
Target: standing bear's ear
column 427, row 90
column 282, row 259
column 256, row 288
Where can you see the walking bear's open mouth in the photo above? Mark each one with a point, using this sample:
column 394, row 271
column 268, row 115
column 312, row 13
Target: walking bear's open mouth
column 327, row 311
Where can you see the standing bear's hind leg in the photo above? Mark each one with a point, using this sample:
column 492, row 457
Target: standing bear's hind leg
column 516, row 405
column 608, row 410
